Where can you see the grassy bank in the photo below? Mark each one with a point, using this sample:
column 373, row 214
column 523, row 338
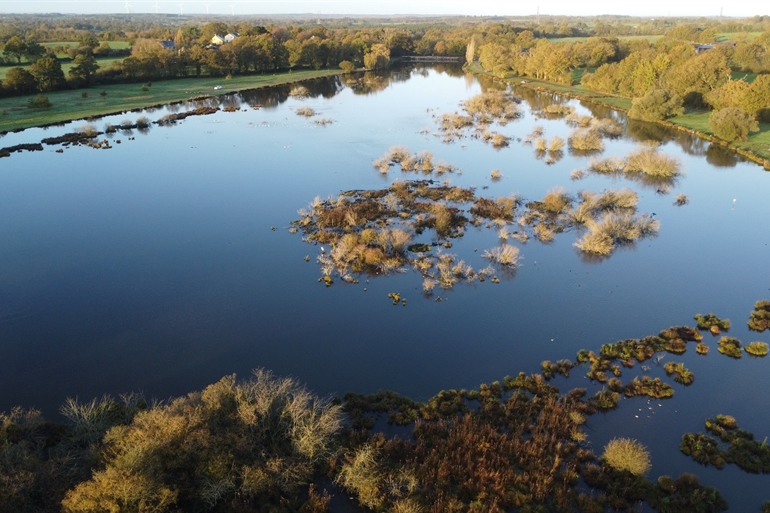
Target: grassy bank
column 757, row 148
column 70, row 105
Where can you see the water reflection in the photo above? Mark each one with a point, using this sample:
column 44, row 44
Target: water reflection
column 720, row 156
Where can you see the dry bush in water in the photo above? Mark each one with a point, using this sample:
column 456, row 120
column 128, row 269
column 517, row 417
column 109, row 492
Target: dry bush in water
column 305, row 111
column 556, row 144
column 505, row 255
column 650, row 162
column 586, row 140
column 627, row 454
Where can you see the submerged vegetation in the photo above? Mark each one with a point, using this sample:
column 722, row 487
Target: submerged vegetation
column 742, row 450
column 645, row 165
column 268, row 442
column 712, row 323
column 374, row 232
column 760, row 317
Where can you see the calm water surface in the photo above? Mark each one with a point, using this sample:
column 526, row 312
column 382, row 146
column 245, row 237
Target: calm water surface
column 153, row 266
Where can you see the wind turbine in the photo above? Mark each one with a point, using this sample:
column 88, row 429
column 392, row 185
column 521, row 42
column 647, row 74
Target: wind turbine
column 128, row 7
column 232, row 9
column 157, row 7
column 181, row 8
column 207, row 8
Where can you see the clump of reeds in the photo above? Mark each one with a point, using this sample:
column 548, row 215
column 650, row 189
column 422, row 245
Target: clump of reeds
column 142, row 122
column 556, row 145
column 556, row 200
column 586, row 140
column 323, row 121
column 582, row 121
column 499, row 140
column 607, row 166
column 89, row 130
column 505, row 255
column 681, row 373
column 650, row 162
column 607, row 127
column 305, row 112
column 536, row 133
column 681, row 200
column 299, row 92
column 627, row 454
column 712, row 323
column 497, row 104
column 730, row 346
column 496, row 175
column 756, row 348
column 557, row 109
column 612, row 229
column 760, row 317
column 577, row 174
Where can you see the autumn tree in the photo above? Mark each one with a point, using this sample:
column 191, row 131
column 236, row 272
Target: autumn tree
column 729, row 94
column 19, row 81
column 378, row 57
column 756, row 100
column 732, row 124
column 15, row 47
column 657, row 105
column 470, row 51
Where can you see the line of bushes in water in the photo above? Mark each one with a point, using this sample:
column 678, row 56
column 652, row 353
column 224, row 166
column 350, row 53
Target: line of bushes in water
column 269, row 444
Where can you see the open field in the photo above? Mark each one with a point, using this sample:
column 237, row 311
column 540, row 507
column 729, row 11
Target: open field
column 103, row 62
column 69, row 105
column 737, row 36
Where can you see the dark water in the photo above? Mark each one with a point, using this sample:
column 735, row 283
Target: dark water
column 152, row 266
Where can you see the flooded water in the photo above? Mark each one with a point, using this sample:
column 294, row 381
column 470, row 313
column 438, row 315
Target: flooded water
column 166, row 262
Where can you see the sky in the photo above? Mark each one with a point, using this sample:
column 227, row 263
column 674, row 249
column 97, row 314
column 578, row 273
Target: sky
column 655, row 8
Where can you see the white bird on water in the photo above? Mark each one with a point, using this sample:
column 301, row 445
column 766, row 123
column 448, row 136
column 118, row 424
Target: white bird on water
column 734, row 200
column 323, row 251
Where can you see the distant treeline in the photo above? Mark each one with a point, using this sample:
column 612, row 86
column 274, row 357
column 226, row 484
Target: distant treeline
column 683, row 65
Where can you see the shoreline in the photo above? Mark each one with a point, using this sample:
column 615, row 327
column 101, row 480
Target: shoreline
column 122, row 98
column 571, row 92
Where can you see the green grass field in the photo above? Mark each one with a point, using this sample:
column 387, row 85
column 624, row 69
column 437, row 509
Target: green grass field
column 759, row 142
column 69, row 105
column 737, row 36
column 103, row 62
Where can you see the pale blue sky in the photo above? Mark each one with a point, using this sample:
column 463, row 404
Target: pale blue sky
column 464, row 7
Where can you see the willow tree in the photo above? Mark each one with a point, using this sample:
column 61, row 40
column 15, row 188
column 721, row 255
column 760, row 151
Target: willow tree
column 378, row 57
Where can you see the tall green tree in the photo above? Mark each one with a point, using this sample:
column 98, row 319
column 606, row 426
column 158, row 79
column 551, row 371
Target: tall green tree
column 48, row 73
column 15, row 47
column 19, row 81
column 83, row 67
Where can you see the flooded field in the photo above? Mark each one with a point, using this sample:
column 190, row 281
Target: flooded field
column 379, row 233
